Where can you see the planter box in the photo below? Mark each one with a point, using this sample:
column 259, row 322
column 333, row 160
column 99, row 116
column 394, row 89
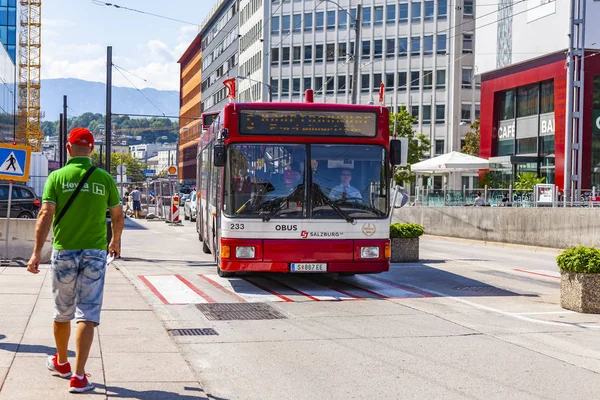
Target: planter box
column 579, row 292
column 405, row 250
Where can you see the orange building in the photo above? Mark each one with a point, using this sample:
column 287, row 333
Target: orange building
column 189, row 110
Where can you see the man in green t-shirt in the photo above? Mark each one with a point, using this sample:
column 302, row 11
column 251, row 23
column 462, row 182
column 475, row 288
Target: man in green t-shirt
column 80, row 251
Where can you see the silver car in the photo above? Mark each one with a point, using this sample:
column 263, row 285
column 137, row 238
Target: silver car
column 189, row 208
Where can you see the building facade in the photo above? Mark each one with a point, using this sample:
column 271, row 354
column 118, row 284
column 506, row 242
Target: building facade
column 8, row 97
column 524, row 92
column 422, row 51
column 189, row 110
column 8, row 27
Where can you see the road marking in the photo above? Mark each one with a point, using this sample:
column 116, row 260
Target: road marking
column 242, row 290
column 540, row 272
column 382, row 288
column 174, row 289
column 312, row 290
column 546, row 312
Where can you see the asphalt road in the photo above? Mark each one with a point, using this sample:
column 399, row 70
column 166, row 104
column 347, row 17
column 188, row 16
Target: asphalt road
column 467, row 322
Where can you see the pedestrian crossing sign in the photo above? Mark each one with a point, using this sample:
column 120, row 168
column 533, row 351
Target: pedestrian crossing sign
column 14, row 162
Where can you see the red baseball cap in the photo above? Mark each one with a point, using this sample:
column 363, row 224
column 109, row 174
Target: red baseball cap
column 81, row 137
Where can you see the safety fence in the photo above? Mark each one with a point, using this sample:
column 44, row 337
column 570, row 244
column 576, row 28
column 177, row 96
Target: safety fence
column 159, row 199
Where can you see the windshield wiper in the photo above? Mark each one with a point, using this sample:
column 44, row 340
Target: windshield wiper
column 281, row 205
column 331, row 204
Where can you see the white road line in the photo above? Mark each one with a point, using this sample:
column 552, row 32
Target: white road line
column 546, row 312
column 243, row 289
column 295, row 286
column 380, row 288
column 172, row 290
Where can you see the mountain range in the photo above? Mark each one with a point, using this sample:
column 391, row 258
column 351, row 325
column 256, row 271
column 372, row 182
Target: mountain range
column 84, row 96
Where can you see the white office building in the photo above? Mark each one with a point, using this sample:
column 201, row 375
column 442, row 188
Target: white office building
column 421, row 50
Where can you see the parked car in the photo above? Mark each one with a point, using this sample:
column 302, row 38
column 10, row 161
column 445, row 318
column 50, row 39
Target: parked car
column 24, row 204
column 190, row 208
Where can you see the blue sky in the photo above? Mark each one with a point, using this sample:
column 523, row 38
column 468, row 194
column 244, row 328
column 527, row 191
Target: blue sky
column 75, row 34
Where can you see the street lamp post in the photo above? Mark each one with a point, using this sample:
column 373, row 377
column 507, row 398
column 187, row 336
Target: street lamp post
column 356, row 46
column 254, row 80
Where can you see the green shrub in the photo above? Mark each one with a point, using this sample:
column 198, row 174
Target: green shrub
column 580, row 259
column 405, row 231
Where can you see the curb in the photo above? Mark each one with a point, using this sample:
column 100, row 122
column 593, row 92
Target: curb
column 496, row 244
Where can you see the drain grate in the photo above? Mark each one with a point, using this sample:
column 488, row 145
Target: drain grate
column 239, row 311
column 479, row 289
column 193, row 332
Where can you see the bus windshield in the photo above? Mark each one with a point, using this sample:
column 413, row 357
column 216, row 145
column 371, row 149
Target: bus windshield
column 272, row 181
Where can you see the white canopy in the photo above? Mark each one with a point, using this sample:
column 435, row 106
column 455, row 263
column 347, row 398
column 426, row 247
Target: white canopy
column 451, row 162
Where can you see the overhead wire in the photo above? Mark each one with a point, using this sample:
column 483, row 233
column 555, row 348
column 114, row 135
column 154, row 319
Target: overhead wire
column 138, row 89
column 102, row 3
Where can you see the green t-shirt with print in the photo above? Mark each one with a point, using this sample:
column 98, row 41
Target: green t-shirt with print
column 84, row 224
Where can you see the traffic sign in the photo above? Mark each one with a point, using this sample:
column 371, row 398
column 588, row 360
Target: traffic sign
column 121, row 169
column 149, row 172
column 14, row 162
column 172, row 170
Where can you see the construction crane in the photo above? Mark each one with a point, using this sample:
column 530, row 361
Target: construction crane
column 30, row 63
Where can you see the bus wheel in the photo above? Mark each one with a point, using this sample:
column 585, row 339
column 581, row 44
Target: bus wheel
column 205, row 248
column 224, row 274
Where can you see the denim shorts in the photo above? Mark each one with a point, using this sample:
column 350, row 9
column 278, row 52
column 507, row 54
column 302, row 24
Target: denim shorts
column 78, row 284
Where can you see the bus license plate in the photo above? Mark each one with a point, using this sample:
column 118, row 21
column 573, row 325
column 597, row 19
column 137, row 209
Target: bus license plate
column 308, row 267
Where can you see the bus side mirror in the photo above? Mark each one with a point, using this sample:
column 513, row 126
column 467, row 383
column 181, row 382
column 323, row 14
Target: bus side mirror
column 399, row 152
column 219, row 155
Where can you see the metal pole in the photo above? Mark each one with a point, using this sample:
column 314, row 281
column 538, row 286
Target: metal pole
column 355, row 88
column 569, row 116
column 108, row 124
column 65, row 118
column 61, row 139
column 581, row 45
column 6, row 232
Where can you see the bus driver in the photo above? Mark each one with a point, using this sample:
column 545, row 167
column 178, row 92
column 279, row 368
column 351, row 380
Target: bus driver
column 344, row 191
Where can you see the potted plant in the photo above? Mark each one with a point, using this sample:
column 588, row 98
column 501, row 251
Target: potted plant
column 580, row 279
column 405, row 242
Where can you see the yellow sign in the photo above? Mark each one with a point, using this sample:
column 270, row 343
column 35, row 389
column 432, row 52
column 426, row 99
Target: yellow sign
column 14, row 162
column 172, row 170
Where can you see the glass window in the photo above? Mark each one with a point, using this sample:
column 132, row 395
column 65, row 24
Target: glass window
column 330, row 19
column 307, row 83
column 318, row 52
column 319, row 20
column 308, row 22
column 506, row 147
column 285, row 87
column 548, row 97
column 390, row 47
column 441, row 43
column 330, row 86
column 546, row 145
column 286, row 23
column 364, row 82
column 465, row 112
column 318, row 84
column 341, row 81
column 275, row 86
column 308, row 53
column 3, row 16
column 403, row 12
column 506, row 105
column 415, row 8
column 439, row 147
column 428, row 45
column 378, row 48
column 466, row 78
column 285, row 55
column 378, row 15
column 330, row 51
column 275, row 25
column 442, row 9
column 429, row 10
column 440, row 79
column 426, row 114
column 401, row 80
column 366, row 17
column 265, row 181
column 353, row 15
column 391, row 13
column 415, row 46
column 342, row 51
column 414, row 79
column 527, row 100
column 468, row 8
column 366, row 49
column 402, row 46
column 415, row 112
column 297, row 22
column 342, row 19
column 297, row 54
column 352, row 177
column 427, row 79
column 467, row 42
column 389, row 81
column 296, row 86
column 440, row 113
column 275, row 56
column 477, row 111
column 526, row 145
column 376, row 81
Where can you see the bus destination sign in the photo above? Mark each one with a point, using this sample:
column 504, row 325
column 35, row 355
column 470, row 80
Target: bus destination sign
column 308, row 123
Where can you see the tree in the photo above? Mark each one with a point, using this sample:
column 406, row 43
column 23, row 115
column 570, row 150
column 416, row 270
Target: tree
column 135, row 167
column 472, row 140
column 527, row 181
column 49, row 128
column 418, row 144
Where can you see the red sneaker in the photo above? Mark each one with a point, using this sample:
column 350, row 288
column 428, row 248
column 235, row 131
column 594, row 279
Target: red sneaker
column 80, row 385
column 64, row 371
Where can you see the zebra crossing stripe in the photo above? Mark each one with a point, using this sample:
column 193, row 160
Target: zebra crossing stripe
column 175, row 289
column 241, row 289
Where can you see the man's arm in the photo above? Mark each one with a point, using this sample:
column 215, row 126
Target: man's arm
column 42, row 228
column 118, row 222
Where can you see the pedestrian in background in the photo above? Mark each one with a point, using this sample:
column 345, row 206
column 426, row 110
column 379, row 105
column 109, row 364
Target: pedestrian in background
column 126, row 196
column 74, row 204
column 136, row 196
column 479, row 200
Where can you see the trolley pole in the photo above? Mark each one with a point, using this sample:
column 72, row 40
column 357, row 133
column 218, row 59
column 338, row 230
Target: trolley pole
column 108, row 124
column 355, row 88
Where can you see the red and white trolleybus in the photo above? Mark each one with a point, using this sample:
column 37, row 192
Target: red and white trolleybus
column 297, row 187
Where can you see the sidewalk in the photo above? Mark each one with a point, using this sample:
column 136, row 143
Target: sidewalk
column 132, row 356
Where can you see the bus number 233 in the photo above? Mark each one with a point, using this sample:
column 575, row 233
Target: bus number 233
column 236, row 226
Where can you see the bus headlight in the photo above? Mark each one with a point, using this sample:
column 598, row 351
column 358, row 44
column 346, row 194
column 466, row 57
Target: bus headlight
column 244, row 252
column 369, row 252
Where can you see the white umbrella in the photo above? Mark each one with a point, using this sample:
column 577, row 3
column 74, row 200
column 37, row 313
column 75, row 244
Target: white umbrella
column 451, row 162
